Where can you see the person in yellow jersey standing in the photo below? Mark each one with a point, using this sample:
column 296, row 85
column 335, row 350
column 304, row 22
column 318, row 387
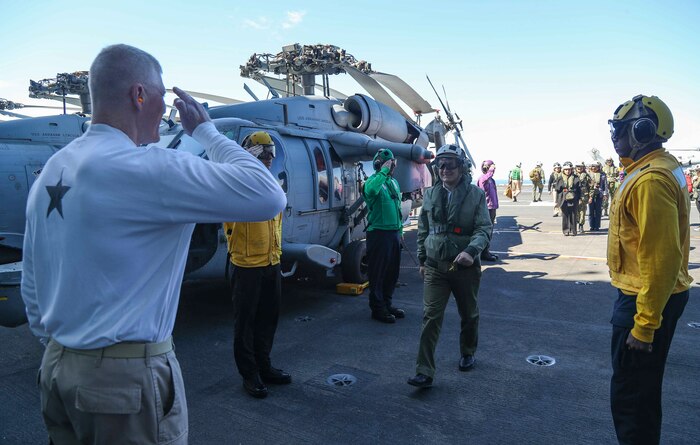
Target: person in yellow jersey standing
column 648, row 248
column 255, row 249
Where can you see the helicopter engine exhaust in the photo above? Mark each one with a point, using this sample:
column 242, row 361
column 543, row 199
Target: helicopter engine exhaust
column 363, row 114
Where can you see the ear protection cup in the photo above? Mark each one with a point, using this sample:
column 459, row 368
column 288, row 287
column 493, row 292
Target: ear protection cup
column 643, row 131
column 466, row 167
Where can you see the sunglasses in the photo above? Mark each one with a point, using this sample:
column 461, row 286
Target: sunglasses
column 448, row 164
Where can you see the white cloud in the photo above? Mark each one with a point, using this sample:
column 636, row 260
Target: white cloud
column 259, row 23
column 293, row 19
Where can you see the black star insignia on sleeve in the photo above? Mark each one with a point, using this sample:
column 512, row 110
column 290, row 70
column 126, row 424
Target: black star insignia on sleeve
column 56, row 193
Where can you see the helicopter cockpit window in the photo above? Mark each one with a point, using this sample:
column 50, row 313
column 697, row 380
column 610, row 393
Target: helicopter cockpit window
column 322, row 170
column 337, row 179
column 277, row 167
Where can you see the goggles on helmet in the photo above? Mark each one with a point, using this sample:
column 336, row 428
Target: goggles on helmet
column 448, row 164
column 618, row 127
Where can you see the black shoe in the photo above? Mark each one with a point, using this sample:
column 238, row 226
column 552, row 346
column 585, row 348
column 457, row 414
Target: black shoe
column 396, row 312
column 275, row 376
column 421, row 381
column 255, row 387
column 384, row 317
column 488, row 256
column 466, row 362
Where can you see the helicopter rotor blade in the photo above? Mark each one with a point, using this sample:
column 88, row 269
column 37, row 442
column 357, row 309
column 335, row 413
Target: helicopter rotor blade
column 335, row 93
column 49, row 107
column 375, row 90
column 404, row 92
column 221, row 99
column 11, row 114
column 464, row 147
column 447, row 110
column 273, row 91
column 69, row 100
column 447, row 102
column 249, row 91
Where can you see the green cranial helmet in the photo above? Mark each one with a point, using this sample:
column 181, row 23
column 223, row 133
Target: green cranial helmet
column 383, row 155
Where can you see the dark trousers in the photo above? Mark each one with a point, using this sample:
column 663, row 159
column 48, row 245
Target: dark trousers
column 257, row 293
column 383, row 260
column 594, row 212
column 569, row 217
column 635, row 388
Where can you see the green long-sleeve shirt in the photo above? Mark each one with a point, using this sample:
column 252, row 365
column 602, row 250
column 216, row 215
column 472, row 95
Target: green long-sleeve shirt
column 383, row 197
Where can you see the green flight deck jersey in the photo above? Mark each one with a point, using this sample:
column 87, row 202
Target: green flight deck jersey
column 383, row 197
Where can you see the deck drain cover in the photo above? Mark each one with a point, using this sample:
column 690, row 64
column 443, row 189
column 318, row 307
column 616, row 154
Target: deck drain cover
column 584, row 283
column 541, row 360
column 304, row 318
column 694, row 324
column 341, row 380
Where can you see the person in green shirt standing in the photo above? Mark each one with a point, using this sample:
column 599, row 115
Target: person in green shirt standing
column 383, row 197
column 516, row 181
column 453, row 229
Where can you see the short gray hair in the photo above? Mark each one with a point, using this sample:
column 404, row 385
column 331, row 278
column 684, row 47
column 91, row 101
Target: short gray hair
column 115, row 69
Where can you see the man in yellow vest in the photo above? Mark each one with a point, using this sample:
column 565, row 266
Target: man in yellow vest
column 648, row 247
column 255, row 249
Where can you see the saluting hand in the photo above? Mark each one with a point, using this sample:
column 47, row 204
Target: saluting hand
column 192, row 113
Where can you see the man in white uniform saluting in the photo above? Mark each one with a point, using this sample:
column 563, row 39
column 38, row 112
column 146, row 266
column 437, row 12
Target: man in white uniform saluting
column 108, row 229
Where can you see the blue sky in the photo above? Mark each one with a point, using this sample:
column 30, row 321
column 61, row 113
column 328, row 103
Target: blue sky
column 532, row 80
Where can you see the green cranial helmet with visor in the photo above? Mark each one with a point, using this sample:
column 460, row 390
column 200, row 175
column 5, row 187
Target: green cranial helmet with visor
column 383, row 155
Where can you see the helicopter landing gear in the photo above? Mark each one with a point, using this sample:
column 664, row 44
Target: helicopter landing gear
column 354, row 262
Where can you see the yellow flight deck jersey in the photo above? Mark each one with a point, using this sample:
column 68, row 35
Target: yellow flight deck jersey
column 255, row 244
column 648, row 239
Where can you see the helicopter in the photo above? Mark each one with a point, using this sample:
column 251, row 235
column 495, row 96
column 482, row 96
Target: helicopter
column 324, row 147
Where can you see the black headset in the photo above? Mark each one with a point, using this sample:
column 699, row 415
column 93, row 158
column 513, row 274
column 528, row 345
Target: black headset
column 643, row 130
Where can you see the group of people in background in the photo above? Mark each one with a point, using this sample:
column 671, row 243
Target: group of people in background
column 578, row 190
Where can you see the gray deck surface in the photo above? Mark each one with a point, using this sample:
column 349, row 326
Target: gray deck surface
column 530, row 303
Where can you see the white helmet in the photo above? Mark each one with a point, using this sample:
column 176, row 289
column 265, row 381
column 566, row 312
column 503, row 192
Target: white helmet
column 450, row 150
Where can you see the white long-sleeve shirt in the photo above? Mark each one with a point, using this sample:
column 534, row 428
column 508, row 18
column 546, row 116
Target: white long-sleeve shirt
column 109, row 227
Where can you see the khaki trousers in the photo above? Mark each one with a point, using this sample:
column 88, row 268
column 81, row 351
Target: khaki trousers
column 463, row 283
column 88, row 399
column 516, row 186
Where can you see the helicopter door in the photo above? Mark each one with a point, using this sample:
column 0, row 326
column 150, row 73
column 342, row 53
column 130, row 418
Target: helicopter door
column 328, row 189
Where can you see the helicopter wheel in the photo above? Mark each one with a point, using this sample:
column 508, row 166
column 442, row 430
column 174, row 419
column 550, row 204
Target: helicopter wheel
column 354, row 264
